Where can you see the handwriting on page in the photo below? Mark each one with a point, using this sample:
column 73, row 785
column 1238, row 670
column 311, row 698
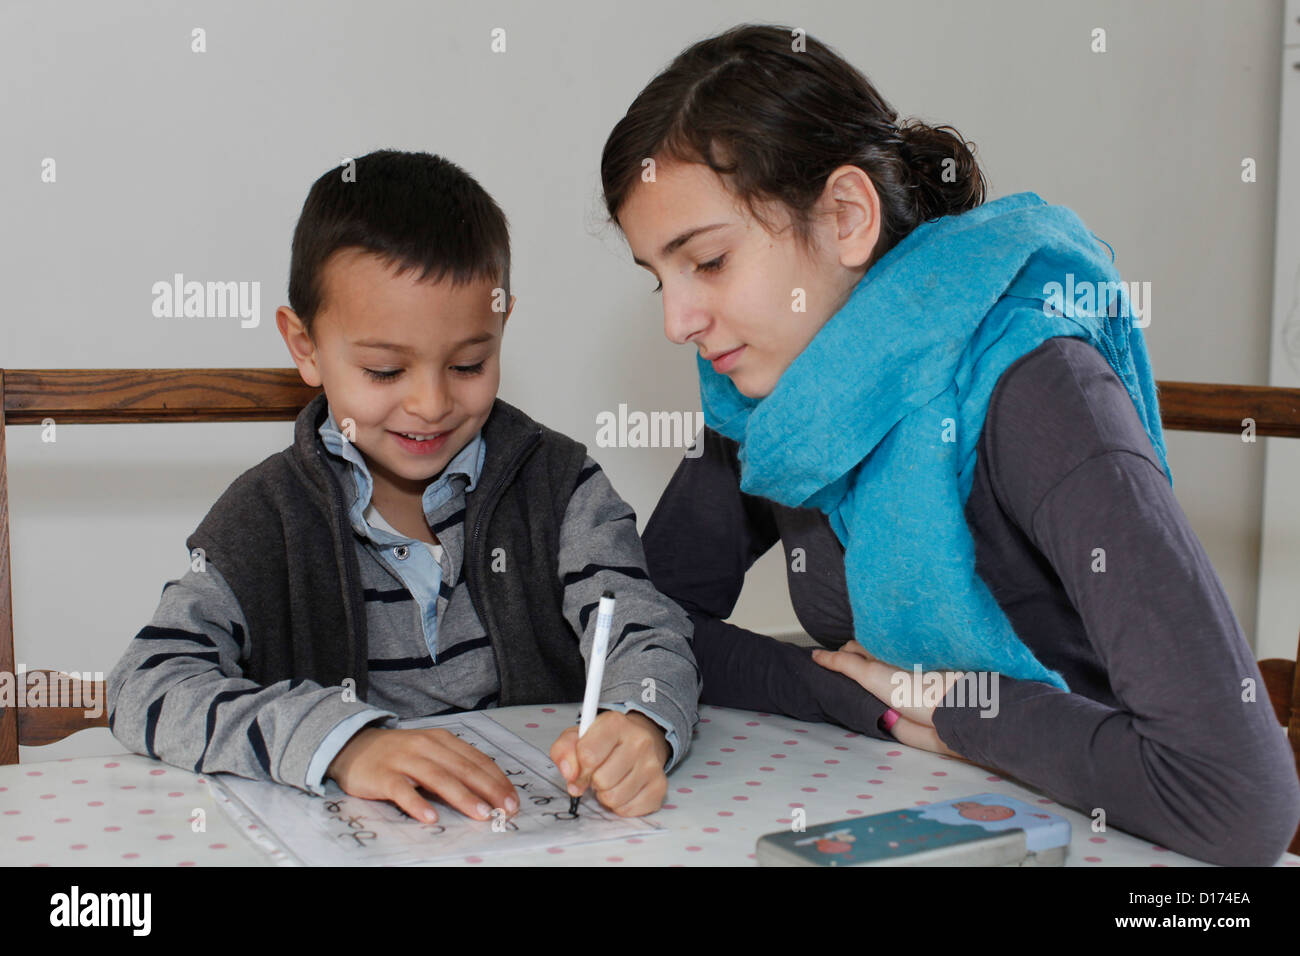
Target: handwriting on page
column 341, row 829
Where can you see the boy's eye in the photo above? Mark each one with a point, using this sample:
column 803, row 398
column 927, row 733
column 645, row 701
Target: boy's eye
column 389, row 375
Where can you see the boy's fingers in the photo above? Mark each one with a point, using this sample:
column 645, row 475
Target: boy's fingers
column 616, row 769
column 563, row 753
column 633, row 798
column 403, row 793
column 593, row 749
column 477, row 771
column 623, row 791
column 438, row 780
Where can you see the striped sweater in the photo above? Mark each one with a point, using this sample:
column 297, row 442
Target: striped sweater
column 178, row 693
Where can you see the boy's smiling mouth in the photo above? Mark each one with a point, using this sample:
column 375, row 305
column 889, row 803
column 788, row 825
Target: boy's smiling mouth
column 426, row 444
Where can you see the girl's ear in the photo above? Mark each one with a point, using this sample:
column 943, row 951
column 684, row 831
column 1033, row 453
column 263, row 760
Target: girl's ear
column 856, row 206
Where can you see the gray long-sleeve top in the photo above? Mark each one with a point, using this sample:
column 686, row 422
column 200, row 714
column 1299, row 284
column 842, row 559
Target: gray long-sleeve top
column 1159, row 730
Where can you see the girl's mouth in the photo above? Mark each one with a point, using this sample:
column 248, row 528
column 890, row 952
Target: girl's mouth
column 727, row 360
column 423, row 445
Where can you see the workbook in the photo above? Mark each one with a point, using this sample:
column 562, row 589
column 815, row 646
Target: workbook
column 298, row 828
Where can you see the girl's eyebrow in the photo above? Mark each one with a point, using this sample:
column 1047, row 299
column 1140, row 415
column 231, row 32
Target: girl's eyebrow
column 674, row 244
column 407, row 350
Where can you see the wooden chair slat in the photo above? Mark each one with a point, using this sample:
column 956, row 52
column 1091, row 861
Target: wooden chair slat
column 99, row 396
column 1193, row 406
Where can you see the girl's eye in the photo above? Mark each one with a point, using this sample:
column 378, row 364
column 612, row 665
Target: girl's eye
column 712, row 265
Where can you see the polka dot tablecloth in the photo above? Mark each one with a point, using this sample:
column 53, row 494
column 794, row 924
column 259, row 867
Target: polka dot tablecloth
column 743, row 777
column 114, row 811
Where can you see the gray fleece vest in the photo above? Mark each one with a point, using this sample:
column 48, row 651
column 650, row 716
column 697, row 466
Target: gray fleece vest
column 281, row 538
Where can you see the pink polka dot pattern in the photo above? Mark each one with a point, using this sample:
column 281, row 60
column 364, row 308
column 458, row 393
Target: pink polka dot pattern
column 745, row 775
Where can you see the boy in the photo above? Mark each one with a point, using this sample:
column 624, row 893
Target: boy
column 422, row 547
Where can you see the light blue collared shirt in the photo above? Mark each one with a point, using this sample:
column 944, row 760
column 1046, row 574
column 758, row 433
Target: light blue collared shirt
column 415, row 566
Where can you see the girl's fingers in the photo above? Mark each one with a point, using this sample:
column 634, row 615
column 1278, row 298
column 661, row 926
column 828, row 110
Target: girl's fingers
column 851, row 646
column 870, row 673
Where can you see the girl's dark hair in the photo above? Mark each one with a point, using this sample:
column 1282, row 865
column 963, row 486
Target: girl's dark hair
column 775, row 121
column 414, row 210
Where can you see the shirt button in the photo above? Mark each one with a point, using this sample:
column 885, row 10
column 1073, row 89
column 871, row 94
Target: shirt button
column 401, row 551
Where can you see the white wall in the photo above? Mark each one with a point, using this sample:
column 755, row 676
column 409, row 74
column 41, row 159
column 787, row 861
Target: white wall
column 171, row 161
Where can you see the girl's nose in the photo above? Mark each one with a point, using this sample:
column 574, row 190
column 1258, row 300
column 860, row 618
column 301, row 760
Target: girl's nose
column 682, row 317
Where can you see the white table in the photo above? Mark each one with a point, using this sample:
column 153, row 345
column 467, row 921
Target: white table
column 744, row 775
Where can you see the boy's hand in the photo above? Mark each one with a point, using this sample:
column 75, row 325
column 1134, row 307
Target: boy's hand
column 383, row 764
column 621, row 757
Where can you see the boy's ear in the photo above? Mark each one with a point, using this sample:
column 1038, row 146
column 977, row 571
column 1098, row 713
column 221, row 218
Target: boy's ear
column 301, row 348
column 509, row 309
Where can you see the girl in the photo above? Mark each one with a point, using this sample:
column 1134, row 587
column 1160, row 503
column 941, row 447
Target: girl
column 943, row 410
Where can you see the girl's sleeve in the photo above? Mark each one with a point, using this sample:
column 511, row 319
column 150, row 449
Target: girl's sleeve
column 703, row 537
column 1193, row 758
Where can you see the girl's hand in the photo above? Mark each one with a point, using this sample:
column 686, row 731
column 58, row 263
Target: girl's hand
column 915, row 726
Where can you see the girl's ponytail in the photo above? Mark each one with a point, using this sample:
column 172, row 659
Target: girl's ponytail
column 943, row 170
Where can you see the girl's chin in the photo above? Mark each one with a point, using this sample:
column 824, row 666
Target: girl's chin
column 747, row 386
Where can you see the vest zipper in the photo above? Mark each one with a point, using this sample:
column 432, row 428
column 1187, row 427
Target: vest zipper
column 474, row 549
column 340, row 514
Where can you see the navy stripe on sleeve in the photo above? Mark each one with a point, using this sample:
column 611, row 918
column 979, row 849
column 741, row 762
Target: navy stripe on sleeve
column 591, row 570
column 154, row 660
column 651, row 647
column 259, row 747
column 221, row 698
column 151, row 725
column 629, row 629
column 585, row 474
column 151, row 633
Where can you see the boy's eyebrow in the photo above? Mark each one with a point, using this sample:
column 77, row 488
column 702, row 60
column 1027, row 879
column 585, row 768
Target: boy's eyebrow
column 674, row 244
column 407, row 350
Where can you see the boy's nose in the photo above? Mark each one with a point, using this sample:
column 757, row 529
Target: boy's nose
column 430, row 401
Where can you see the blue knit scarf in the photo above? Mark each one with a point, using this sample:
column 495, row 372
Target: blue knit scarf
column 876, row 421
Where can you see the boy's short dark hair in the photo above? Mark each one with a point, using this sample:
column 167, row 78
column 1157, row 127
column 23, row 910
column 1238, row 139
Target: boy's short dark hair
column 414, row 210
